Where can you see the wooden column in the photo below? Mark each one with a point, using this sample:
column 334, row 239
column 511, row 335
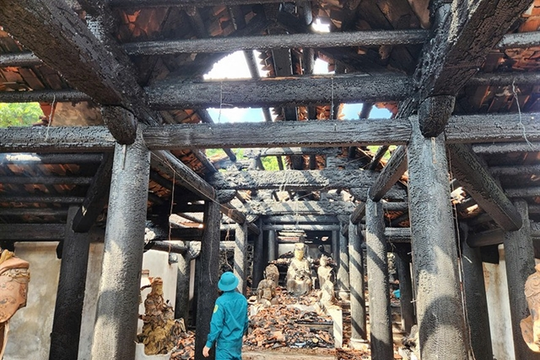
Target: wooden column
column 356, row 274
column 476, row 302
column 182, row 287
column 208, row 277
column 343, row 270
column 403, row 265
column 438, row 302
column 518, row 250
column 272, row 246
column 66, row 328
column 335, row 247
column 379, row 297
column 118, row 299
column 240, row 255
column 258, row 261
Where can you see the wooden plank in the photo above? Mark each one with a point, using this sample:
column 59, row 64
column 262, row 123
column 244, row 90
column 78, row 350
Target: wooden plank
column 288, row 219
column 280, row 91
column 292, row 179
column 391, row 173
column 498, row 128
column 298, row 207
column 96, row 198
column 197, row 3
column 228, row 44
column 467, row 168
column 305, row 227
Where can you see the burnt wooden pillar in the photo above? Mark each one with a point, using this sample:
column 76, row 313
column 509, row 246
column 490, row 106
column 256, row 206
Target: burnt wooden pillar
column 208, row 277
column 441, row 322
column 272, row 246
column 258, row 261
column 182, row 287
column 475, row 300
column 519, row 256
column 343, row 270
column 356, row 273
column 240, row 255
column 403, row 261
column 335, row 248
column 118, row 299
column 380, row 321
column 66, row 328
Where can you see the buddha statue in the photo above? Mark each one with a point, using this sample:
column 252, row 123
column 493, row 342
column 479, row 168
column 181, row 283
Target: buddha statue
column 299, row 272
column 266, row 290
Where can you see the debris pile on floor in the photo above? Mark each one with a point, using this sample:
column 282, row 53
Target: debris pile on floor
column 185, row 348
column 292, row 323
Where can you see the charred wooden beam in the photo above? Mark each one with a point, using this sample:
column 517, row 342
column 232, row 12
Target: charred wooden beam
column 358, row 213
column 391, row 173
column 57, row 36
column 22, row 59
column 464, row 36
column 519, row 40
column 206, row 118
column 298, row 208
column 183, row 3
column 285, row 134
column 47, row 199
column 298, row 151
column 238, row 217
column 305, row 227
column 96, row 198
column 475, row 178
column 288, row 219
column 533, row 191
column 80, row 158
column 166, row 246
column 514, row 170
column 460, row 129
column 187, row 177
column 46, row 180
column 279, row 91
column 49, row 96
column 502, row 148
column 55, row 212
column 292, row 179
column 227, row 44
column 42, row 232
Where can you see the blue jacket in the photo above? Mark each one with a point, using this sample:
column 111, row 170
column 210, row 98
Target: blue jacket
column 229, row 321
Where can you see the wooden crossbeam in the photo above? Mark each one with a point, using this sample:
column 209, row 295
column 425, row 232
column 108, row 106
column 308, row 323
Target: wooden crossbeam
column 298, row 207
column 477, row 181
column 493, row 128
column 230, row 44
column 172, row 94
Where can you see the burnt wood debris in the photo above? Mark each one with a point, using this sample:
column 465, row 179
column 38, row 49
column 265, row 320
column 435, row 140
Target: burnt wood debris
column 436, row 167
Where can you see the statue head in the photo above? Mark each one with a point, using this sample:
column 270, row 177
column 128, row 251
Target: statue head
column 299, row 249
column 323, row 260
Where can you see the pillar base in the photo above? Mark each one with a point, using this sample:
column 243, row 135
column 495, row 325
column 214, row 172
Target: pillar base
column 359, row 344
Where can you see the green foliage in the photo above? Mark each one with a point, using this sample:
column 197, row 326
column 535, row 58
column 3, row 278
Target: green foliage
column 19, row 114
column 270, row 163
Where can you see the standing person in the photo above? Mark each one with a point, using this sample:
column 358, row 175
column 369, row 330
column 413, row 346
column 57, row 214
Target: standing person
column 229, row 321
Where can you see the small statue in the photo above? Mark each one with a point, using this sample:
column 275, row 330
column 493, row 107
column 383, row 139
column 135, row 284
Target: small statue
column 14, row 278
column 299, row 272
column 327, row 297
column 325, row 271
column 272, row 273
column 266, row 291
column 160, row 330
column 530, row 326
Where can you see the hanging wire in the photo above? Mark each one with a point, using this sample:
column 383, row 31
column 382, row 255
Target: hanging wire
column 514, row 92
column 460, row 269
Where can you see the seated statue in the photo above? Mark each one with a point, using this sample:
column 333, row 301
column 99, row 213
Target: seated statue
column 160, row 330
column 299, row 272
column 530, row 326
column 14, row 278
column 266, row 291
column 272, row 273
